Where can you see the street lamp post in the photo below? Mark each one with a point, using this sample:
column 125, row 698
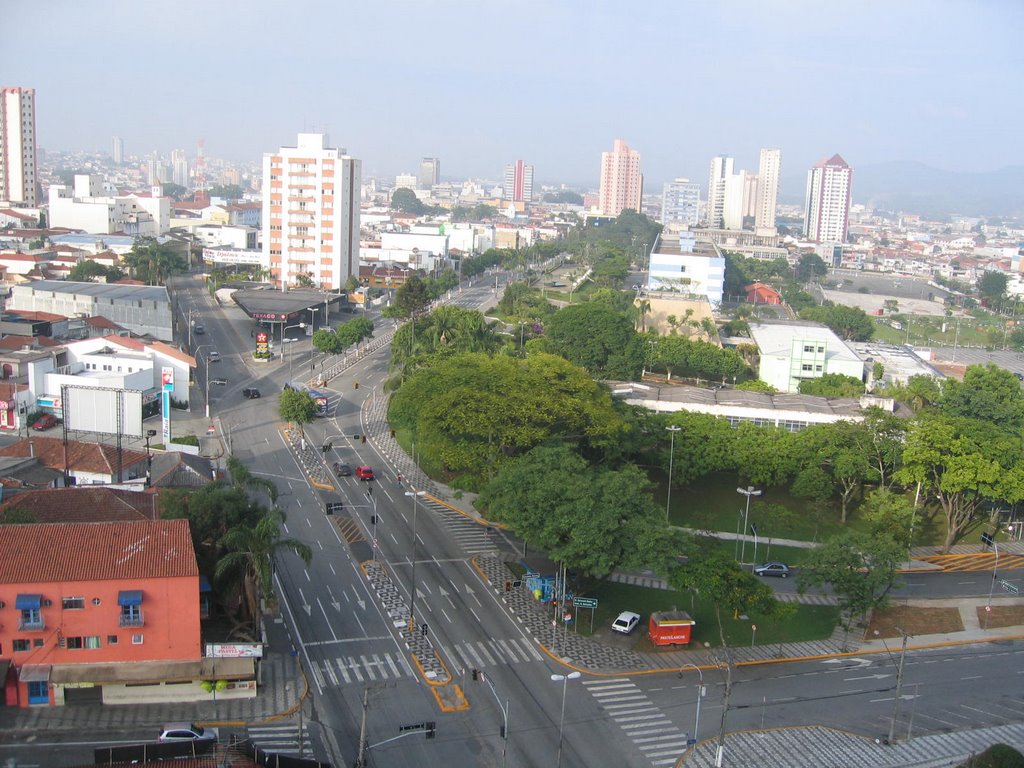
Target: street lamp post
column 671, row 455
column 206, row 375
column 992, row 584
column 700, row 695
column 748, row 492
column 284, row 335
column 412, row 586
column 504, row 717
column 149, row 457
column 564, row 680
column 899, row 686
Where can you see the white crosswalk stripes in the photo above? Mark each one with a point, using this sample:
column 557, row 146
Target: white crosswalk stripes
column 655, row 736
column 346, row 670
column 490, row 653
column 284, row 739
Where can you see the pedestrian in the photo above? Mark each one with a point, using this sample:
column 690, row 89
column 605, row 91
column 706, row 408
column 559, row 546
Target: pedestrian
column 252, row 333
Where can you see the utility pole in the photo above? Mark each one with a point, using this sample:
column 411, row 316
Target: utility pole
column 361, row 757
column 720, row 752
column 899, row 687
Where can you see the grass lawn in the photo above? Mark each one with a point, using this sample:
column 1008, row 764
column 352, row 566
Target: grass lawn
column 915, row 620
column 792, row 556
column 1002, row 616
column 810, row 622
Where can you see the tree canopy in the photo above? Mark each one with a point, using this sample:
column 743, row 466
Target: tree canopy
column 849, row 323
column 153, row 262
column 832, row 385
column 597, row 338
column 88, row 271
column 296, row 406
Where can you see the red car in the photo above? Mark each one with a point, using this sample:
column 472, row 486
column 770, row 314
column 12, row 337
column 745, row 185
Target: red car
column 364, row 473
column 46, row 421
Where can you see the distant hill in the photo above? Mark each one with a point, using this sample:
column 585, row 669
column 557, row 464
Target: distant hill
column 914, row 187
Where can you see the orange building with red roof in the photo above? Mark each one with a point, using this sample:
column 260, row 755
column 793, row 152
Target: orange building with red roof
column 104, row 613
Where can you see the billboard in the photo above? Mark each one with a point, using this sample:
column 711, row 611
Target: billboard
column 92, row 409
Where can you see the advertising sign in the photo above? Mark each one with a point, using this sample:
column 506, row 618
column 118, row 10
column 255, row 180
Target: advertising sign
column 167, row 377
column 262, row 343
column 234, row 650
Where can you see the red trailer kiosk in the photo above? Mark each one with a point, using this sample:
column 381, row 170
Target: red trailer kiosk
column 670, row 627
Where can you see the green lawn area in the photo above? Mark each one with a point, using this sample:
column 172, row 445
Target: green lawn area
column 810, row 622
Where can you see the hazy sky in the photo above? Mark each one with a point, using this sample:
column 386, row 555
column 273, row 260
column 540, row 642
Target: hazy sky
column 481, row 83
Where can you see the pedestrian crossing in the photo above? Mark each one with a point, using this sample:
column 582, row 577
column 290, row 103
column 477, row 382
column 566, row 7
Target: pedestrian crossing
column 346, row 670
column 282, row 739
column 362, row 668
column 472, row 537
column 975, row 561
column 491, row 653
column 653, row 734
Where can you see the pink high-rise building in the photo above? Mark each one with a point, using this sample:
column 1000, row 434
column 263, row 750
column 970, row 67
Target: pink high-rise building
column 622, row 184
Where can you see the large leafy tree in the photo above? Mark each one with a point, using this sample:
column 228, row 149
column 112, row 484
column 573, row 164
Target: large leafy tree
column 850, row 323
column 886, row 433
column 963, row 464
column 153, row 262
column 296, row 407
column 988, row 393
column 992, row 286
column 249, row 557
column 810, row 267
column 704, row 444
column 832, row 385
column 596, row 337
column 88, row 270
column 474, row 412
column 592, row 519
column 446, row 331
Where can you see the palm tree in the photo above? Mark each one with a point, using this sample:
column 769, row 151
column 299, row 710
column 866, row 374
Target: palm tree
column 249, row 558
column 643, row 307
column 243, row 479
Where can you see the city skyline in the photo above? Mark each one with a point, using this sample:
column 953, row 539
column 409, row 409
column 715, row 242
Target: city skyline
column 875, row 82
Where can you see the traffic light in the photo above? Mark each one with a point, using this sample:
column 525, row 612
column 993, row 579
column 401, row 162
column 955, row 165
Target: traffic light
column 325, row 447
column 476, row 674
column 355, row 385
column 362, row 438
column 373, row 519
column 423, row 629
column 431, row 728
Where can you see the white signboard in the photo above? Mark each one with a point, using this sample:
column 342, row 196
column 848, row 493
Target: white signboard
column 91, row 409
column 234, row 650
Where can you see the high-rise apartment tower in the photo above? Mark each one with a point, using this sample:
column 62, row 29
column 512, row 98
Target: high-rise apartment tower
column 827, row 201
column 622, row 184
column 430, row 172
column 311, row 213
column 18, row 145
column 767, row 188
column 518, row 186
column 117, row 149
column 721, row 170
column 680, row 202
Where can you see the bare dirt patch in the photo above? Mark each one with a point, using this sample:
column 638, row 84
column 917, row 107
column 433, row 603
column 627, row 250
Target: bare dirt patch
column 915, row 621
column 1002, row 616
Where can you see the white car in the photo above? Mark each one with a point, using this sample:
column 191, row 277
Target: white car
column 188, row 732
column 626, row 622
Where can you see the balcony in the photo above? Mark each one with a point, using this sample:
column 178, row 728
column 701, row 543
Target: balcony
column 34, row 624
column 131, row 620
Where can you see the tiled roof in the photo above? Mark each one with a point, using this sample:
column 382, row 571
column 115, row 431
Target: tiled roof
column 96, row 458
column 29, row 314
column 83, row 505
column 97, row 321
column 96, row 551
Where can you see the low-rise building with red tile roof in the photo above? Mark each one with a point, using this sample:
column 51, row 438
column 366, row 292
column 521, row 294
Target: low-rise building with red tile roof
column 86, row 463
column 82, row 504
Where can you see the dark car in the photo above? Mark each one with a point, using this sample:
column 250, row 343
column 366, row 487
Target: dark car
column 364, row 472
column 219, row 382
column 251, row 393
column 199, row 330
column 46, row 421
column 773, row 569
column 343, row 470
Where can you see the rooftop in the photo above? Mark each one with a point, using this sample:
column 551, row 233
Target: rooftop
column 113, row 291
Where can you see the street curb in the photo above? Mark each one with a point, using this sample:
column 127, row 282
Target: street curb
column 465, row 514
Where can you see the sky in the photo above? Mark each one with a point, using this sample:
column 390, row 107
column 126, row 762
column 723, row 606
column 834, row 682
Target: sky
column 482, row 83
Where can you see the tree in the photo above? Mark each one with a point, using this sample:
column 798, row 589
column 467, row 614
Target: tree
column 810, row 267
column 591, row 519
column 88, row 270
column 861, row 570
column 172, row 190
column 992, row 287
column 153, row 262
column 245, row 480
column 988, row 393
column 886, row 432
column 412, row 297
column 405, row 200
column 832, row 385
column 849, row 323
column 250, row 555
column 305, row 280
column 296, row 407
column 890, row 516
column 327, row 342
column 597, row 338
column 962, row 463
column 564, row 197
column 226, row 191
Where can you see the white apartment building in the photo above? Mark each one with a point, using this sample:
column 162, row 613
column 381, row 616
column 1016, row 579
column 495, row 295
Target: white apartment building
column 518, row 186
column 827, row 201
column 311, row 213
column 793, row 351
column 406, row 181
column 721, row 169
column 768, row 169
column 18, row 178
column 680, row 202
column 85, row 207
column 681, row 263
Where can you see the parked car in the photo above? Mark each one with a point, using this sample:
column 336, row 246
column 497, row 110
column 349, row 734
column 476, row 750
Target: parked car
column 188, row 732
column 344, row 470
column 773, row 569
column 251, row 393
column 46, row 421
column 626, row 622
column 219, row 382
column 364, row 473
column 214, row 356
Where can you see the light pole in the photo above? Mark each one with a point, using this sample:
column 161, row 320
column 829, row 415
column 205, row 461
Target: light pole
column 149, row 457
column 748, row 492
column 504, row 717
column 992, row 584
column 284, row 335
column 700, row 695
column 671, row 455
column 899, row 685
column 564, row 680
column 206, row 375
column 412, row 586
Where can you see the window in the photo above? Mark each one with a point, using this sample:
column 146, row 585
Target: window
column 72, row 603
column 20, row 645
column 817, row 367
column 92, row 641
column 111, row 639
column 137, row 639
column 37, row 642
column 821, row 349
column 95, row 601
column 31, row 618
column 74, row 643
column 805, row 367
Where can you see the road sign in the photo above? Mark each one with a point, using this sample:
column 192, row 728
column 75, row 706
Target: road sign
column 986, row 538
column 691, row 742
column 584, row 602
column 1011, row 588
